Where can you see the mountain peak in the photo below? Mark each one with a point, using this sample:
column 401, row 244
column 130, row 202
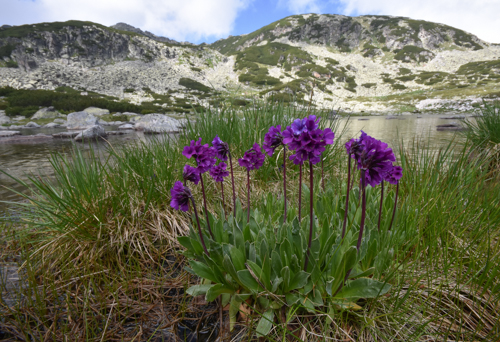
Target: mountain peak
column 130, row 28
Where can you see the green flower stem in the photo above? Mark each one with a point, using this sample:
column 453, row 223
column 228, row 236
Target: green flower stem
column 311, row 216
column 381, row 202
column 205, row 206
column 199, row 227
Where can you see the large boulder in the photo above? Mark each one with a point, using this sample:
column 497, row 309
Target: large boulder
column 96, row 111
column 157, row 123
column 81, row 120
column 92, row 133
column 47, row 113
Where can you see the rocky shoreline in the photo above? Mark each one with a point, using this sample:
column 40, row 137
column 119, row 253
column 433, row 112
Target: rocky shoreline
column 86, row 125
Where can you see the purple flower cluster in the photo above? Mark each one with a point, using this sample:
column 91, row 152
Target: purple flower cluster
column 375, row 158
column 221, row 148
column 218, row 172
column 272, row 140
column 307, row 140
column 203, row 154
column 180, row 196
column 253, row 159
column 190, row 174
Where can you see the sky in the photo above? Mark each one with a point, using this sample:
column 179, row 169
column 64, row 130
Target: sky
column 200, row 21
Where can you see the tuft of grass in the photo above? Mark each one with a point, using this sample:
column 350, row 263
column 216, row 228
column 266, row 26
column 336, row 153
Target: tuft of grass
column 484, row 130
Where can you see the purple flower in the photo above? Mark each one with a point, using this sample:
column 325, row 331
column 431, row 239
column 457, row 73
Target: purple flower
column 394, row 175
column 221, row 148
column 298, row 126
column 311, row 123
column 203, row 154
column 374, row 157
column 190, row 174
column 272, row 140
column 353, row 146
column 218, row 172
column 180, row 197
column 311, row 145
column 253, row 159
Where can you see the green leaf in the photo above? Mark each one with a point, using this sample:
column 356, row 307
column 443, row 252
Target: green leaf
column 276, row 263
column 363, row 288
column 285, row 274
column 298, row 281
column 292, row 298
column 238, row 258
column 265, row 323
column 186, row 242
column 350, row 258
column 203, row 271
column 276, row 283
column 234, row 308
column 366, row 273
column 248, row 281
column 216, row 290
column 229, row 267
column 197, row 290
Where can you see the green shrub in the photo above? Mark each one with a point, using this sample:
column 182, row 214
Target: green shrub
column 369, row 85
column 6, row 50
column 412, row 53
column 11, row 64
column 398, row 86
column 193, row 85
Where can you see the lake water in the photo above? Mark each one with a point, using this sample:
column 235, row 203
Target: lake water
column 23, row 160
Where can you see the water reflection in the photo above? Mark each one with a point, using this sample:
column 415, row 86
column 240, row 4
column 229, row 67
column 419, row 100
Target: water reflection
column 406, row 128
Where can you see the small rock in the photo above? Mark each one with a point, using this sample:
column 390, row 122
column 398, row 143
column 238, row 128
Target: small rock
column 363, row 119
column 450, row 127
column 16, row 126
column 47, row 113
column 126, row 126
column 453, row 117
column 51, row 125
column 391, row 117
column 116, row 132
column 9, row 133
column 91, row 133
column 96, row 111
column 4, row 120
column 32, row 124
column 65, row 135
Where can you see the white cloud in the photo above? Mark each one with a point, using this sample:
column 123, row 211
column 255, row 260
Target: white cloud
column 177, row 19
column 479, row 17
column 301, row 6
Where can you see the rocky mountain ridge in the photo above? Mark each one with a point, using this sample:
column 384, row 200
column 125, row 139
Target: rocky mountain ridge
column 366, row 63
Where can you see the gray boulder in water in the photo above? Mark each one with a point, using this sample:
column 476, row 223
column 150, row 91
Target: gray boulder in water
column 47, row 113
column 157, row 123
column 96, row 111
column 92, row 133
column 81, row 120
column 32, row 124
